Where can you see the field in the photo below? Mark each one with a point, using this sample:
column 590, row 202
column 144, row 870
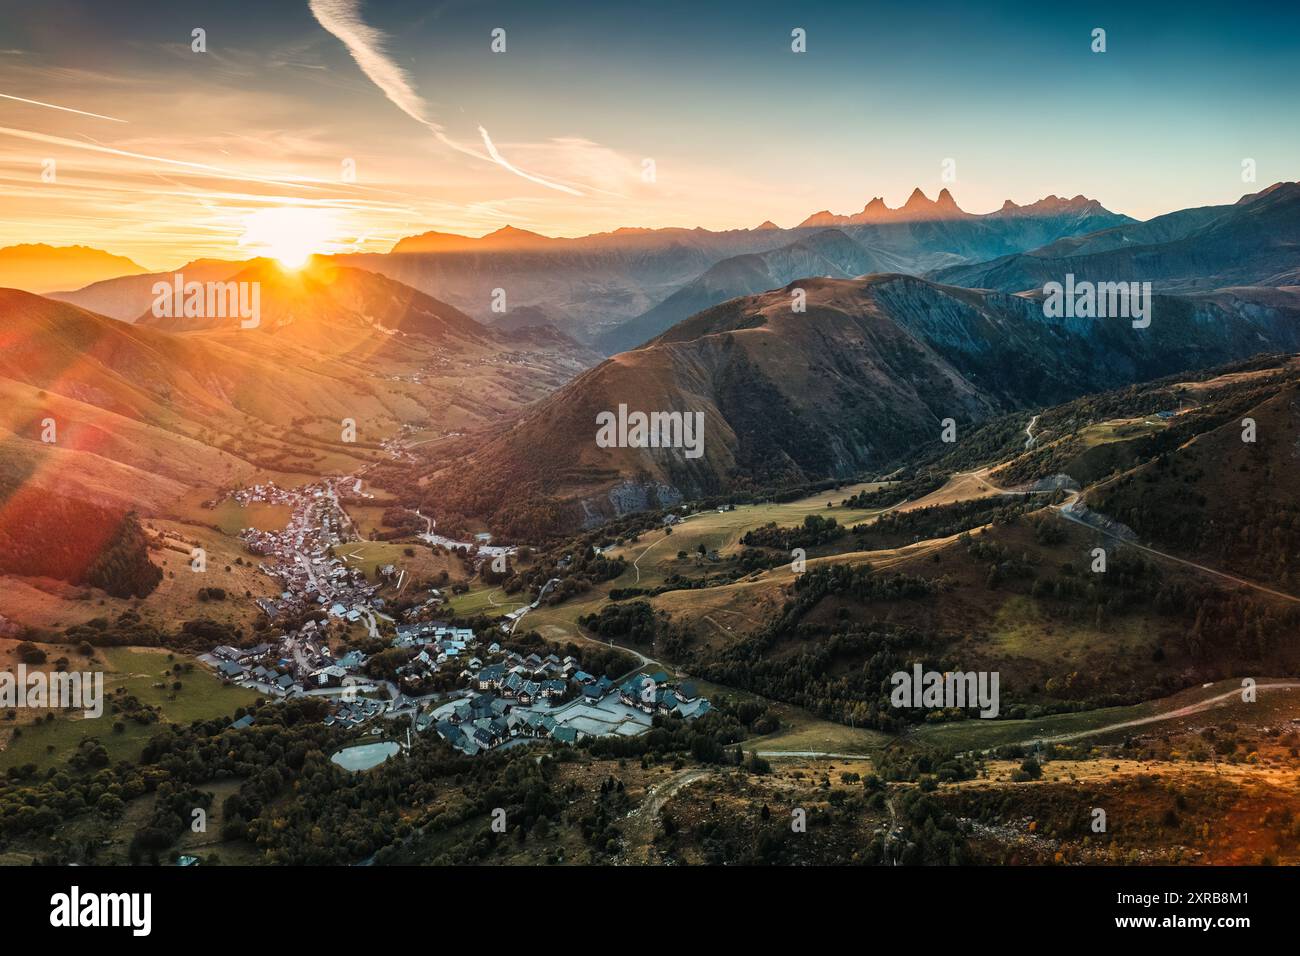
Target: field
column 487, row 600
column 423, row 565
column 232, row 517
column 655, row 554
column 136, row 670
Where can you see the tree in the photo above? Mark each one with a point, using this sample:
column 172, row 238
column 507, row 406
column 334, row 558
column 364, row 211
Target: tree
column 29, row 653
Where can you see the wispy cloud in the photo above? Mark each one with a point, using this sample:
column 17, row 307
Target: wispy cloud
column 216, row 171
column 342, row 18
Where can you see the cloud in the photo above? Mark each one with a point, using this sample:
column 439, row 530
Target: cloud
column 342, row 18
column 215, row 171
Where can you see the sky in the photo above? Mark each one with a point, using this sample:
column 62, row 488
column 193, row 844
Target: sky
column 351, row 123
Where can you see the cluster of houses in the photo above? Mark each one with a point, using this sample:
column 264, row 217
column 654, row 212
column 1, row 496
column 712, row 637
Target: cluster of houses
column 652, row 693
column 300, row 662
column 354, row 713
column 301, row 561
column 529, row 697
column 484, row 721
column 441, row 646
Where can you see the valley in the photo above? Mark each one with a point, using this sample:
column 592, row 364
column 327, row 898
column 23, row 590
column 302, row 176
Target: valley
column 373, row 520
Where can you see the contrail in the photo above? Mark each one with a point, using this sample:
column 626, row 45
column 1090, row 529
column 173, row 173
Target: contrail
column 65, row 109
column 342, row 19
column 203, row 167
column 501, row 160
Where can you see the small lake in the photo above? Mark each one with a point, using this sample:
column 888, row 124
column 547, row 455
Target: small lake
column 365, row 756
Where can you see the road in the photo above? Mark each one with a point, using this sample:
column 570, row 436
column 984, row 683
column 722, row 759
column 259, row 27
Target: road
column 1029, row 432
column 1185, row 711
column 540, row 594
column 1064, row 510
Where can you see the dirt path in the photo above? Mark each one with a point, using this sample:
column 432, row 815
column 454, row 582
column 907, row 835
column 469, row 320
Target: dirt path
column 1184, row 711
column 642, row 822
column 814, row 754
column 1060, row 509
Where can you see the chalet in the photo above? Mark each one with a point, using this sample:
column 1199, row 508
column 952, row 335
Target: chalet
column 510, row 686
column 242, row 722
column 460, row 712
column 565, row 735
column 351, row 660
column 226, row 652
column 331, row 676
column 553, row 690
column 582, row 677
column 230, row 670
column 635, row 691
column 263, row 674
column 490, row 677
column 528, row 691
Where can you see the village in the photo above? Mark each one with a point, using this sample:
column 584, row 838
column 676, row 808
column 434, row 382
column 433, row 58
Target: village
column 502, row 697
column 473, row 696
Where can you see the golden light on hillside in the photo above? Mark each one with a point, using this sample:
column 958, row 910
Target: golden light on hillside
column 290, row 234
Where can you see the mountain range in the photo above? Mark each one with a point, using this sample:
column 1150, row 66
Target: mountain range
column 1251, row 242
column 866, row 374
column 618, row 289
column 40, row 268
column 868, row 370
column 150, row 410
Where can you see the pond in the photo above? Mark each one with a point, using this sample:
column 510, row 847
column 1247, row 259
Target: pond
column 365, row 756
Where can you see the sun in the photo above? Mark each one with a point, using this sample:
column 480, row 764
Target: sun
column 290, row 234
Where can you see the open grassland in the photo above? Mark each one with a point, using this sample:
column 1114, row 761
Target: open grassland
column 721, row 531
column 490, row 600
column 232, row 517
column 422, row 564
column 51, row 606
column 144, row 673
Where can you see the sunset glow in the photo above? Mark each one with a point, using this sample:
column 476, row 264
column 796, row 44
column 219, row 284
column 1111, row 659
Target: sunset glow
column 290, row 235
